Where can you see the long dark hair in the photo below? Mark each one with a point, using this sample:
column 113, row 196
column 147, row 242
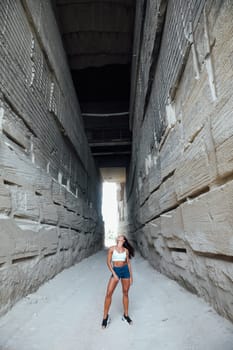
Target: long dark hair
column 128, row 246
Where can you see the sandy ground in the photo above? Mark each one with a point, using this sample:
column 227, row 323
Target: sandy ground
column 66, row 313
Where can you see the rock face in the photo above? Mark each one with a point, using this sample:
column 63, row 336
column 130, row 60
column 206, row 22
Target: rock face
column 180, row 187
column 50, row 215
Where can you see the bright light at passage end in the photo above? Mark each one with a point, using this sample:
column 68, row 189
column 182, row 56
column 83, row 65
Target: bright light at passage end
column 109, row 212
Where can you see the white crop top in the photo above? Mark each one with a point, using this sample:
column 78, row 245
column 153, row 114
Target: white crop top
column 118, row 256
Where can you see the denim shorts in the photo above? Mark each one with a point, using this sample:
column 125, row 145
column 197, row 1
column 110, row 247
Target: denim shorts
column 122, row 271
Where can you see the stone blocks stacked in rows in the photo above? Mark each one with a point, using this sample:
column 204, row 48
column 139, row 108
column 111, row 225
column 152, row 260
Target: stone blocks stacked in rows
column 183, row 222
column 50, row 215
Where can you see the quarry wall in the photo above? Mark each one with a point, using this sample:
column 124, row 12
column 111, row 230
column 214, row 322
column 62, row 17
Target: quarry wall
column 50, row 193
column 180, row 186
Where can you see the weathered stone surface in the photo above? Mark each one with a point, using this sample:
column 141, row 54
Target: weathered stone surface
column 150, row 26
column 221, row 118
column 168, row 198
column 155, row 173
column 161, row 199
column 48, row 213
column 47, row 173
column 185, row 227
column 144, row 191
column 25, row 204
column 16, row 243
column 151, row 208
column 193, row 121
column 66, row 238
column 58, row 193
column 154, row 228
column 5, row 201
column 208, row 225
column 48, row 240
column 42, row 185
column 74, row 203
column 195, row 171
column 15, row 167
column 172, row 228
column 222, row 134
column 180, row 259
column 224, row 157
column 146, row 232
column 150, row 177
column 171, row 151
column 69, row 219
column 15, row 129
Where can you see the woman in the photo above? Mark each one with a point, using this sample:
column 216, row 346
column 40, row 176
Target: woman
column 119, row 264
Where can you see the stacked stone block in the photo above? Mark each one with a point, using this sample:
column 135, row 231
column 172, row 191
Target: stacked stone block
column 50, row 215
column 180, row 187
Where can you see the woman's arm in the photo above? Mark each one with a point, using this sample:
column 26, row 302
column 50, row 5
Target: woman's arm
column 129, row 265
column 109, row 262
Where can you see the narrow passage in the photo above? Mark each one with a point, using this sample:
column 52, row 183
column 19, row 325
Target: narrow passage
column 66, row 314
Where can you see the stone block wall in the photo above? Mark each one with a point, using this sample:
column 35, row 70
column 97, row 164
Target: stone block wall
column 50, row 214
column 180, row 186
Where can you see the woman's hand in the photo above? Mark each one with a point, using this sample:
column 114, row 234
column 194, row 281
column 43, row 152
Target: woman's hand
column 131, row 280
column 116, row 277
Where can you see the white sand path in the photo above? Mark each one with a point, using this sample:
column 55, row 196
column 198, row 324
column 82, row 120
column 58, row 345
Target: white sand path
column 66, row 313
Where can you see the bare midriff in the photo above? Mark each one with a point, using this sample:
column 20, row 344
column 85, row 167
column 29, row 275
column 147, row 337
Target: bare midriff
column 119, row 263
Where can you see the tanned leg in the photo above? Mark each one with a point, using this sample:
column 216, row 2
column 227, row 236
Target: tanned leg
column 108, row 298
column 125, row 289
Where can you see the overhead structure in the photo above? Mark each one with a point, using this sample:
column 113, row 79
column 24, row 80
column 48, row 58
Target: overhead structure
column 98, row 37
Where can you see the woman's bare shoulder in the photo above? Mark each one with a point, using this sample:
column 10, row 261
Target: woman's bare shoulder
column 110, row 249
